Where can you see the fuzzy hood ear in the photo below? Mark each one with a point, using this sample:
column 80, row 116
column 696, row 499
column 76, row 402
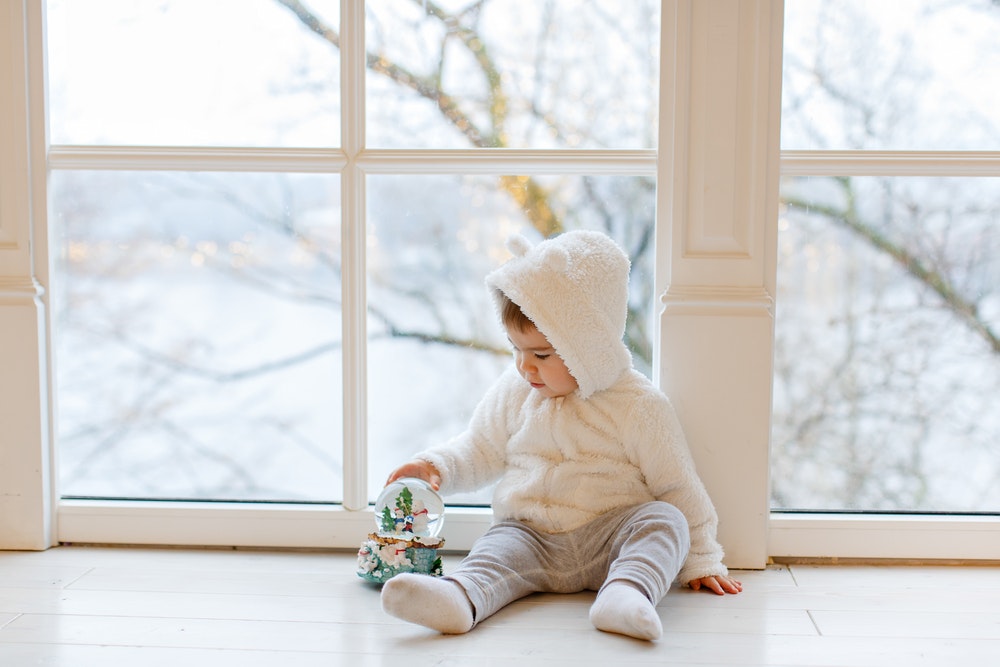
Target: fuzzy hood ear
column 574, row 287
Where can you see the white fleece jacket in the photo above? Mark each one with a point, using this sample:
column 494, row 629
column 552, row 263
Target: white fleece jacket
column 615, row 442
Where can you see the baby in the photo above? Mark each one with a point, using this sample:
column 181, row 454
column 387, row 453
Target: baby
column 597, row 489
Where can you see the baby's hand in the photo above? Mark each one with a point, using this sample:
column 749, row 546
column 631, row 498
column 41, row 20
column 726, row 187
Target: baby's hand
column 719, row 584
column 419, row 469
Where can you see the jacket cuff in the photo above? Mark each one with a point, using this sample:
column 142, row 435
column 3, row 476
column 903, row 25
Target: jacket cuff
column 697, row 570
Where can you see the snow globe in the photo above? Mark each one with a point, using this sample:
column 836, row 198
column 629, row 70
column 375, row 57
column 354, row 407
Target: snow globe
column 408, row 517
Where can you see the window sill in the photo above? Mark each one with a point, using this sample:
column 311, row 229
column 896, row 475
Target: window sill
column 884, row 536
column 240, row 524
column 809, row 536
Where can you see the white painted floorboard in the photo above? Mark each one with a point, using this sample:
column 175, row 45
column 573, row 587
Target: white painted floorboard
column 117, row 607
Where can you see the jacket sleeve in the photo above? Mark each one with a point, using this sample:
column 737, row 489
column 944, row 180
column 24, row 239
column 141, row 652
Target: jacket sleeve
column 477, row 457
column 657, row 443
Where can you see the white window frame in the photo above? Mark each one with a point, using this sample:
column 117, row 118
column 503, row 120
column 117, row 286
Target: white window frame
column 717, row 169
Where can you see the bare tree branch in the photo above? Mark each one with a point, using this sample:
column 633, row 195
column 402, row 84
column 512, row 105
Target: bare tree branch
column 526, row 191
column 966, row 310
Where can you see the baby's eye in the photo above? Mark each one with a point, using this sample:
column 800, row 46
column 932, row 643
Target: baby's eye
column 541, row 357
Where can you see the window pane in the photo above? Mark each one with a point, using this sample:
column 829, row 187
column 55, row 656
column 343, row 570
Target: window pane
column 513, row 73
column 435, row 344
column 901, row 75
column 887, row 366
column 188, row 72
column 197, row 325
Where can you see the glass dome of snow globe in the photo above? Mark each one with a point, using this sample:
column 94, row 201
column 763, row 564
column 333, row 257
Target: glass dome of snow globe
column 409, row 506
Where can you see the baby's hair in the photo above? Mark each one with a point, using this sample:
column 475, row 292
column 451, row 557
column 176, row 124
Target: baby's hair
column 512, row 316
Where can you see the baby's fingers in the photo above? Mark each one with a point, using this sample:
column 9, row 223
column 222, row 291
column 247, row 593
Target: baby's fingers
column 708, row 582
column 712, row 584
column 718, row 585
column 731, row 585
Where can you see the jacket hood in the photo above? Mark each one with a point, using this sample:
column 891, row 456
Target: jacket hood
column 574, row 287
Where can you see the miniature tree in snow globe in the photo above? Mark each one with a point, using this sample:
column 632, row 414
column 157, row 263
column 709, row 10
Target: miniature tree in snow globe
column 408, row 517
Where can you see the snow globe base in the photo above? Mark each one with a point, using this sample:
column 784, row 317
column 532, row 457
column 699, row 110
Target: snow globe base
column 382, row 557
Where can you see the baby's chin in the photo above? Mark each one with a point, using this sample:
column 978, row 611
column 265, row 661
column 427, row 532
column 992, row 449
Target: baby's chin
column 548, row 392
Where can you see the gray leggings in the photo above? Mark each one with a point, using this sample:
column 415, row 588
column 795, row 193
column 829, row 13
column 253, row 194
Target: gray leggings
column 644, row 545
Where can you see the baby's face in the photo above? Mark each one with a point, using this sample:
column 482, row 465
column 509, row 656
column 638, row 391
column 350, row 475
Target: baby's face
column 539, row 364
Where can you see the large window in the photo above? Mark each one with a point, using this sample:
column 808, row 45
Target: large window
column 887, row 362
column 259, row 230
column 271, row 231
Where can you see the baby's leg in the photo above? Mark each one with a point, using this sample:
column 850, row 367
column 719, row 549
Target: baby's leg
column 505, row 564
column 646, row 555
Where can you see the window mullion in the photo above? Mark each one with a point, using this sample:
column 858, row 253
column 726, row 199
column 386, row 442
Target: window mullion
column 890, row 163
column 354, row 307
column 178, row 158
column 509, row 161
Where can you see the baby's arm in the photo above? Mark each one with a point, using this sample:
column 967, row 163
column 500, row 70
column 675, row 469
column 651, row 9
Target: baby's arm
column 475, row 458
column 419, row 469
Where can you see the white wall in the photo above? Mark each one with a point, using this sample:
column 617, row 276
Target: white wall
column 26, row 507
column 718, row 185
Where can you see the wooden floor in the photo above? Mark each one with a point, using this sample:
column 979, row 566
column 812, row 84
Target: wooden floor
column 111, row 607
